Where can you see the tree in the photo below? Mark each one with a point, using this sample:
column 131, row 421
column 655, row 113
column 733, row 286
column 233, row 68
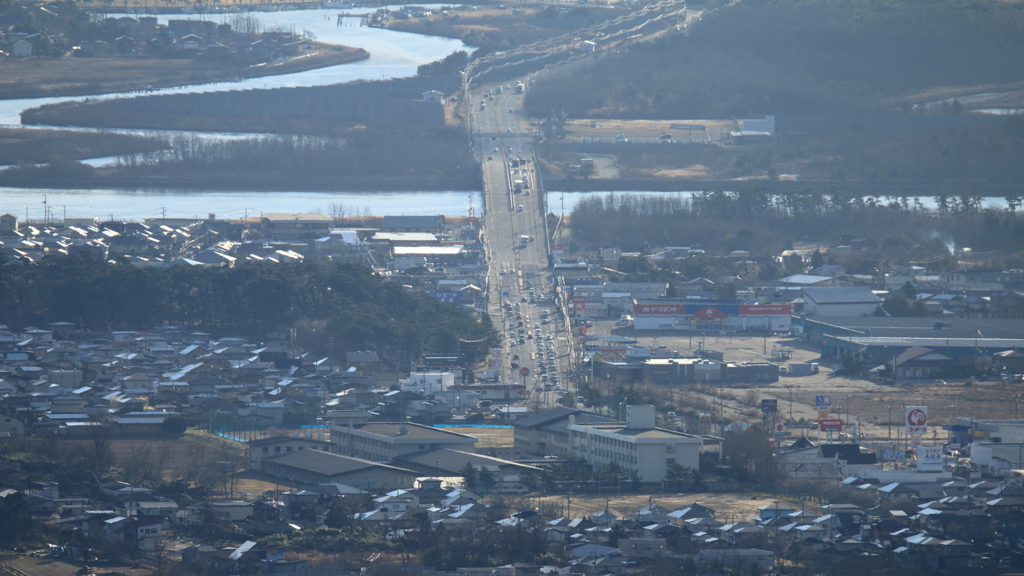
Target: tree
column 617, row 533
column 679, row 478
column 174, row 426
column 897, row 304
column 817, row 259
column 486, row 479
column 469, row 475
column 908, row 290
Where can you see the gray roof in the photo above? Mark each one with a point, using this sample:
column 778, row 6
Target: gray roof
column 411, row 222
column 329, row 464
column 452, row 460
column 362, row 356
column 842, row 295
column 409, row 430
column 924, row 327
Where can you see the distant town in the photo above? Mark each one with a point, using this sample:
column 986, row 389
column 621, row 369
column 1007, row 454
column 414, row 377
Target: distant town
column 738, row 289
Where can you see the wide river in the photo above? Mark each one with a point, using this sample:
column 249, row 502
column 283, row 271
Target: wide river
column 392, row 55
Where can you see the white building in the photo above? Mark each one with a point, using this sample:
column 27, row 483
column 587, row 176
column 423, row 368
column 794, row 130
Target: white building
column 22, row 48
column 428, row 383
column 638, row 446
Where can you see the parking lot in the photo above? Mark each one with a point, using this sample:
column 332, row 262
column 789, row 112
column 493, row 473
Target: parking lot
column 867, row 408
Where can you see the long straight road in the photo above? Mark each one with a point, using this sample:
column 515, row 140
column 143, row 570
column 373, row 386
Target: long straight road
column 520, row 284
column 521, row 288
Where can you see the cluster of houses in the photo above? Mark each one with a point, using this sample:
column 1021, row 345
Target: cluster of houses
column 958, row 524
column 382, row 15
column 450, row 251
column 130, row 35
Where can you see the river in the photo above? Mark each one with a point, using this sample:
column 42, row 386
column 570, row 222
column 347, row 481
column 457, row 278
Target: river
column 392, row 55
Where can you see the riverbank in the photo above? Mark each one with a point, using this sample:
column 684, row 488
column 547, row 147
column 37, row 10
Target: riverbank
column 79, row 176
column 39, row 77
column 909, row 188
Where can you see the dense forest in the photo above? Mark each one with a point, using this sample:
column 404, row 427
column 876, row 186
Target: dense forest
column 421, row 157
column 801, row 56
column 765, row 222
column 334, row 306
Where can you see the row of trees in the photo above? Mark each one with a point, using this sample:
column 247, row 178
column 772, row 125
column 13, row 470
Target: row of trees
column 383, row 151
column 765, row 222
column 351, row 307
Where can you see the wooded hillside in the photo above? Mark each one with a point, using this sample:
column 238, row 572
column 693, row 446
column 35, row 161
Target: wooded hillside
column 802, row 56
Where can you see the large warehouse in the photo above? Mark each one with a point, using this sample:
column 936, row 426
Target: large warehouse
column 662, row 314
column 878, row 340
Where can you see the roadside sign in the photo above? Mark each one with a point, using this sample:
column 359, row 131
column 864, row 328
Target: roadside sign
column 823, row 401
column 524, row 371
column 894, row 455
column 769, row 405
column 916, row 420
column 830, row 425
column 929, row 458
column 780, row 428
column 822, row 414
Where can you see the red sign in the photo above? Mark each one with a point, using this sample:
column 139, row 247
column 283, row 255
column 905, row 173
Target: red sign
column 524, row 371
column 830, row 425
column 579, row 305
column 659, row 309
column 765, row 310
column 708, row 312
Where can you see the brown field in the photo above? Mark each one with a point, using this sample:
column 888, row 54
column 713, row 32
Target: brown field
column 67, row 75
column 596, row 128
column 728, row 507
column 488, row 437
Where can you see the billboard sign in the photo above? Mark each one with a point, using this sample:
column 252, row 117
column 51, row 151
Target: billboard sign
column 894, row 455
column 916, row 420
column 830, row 425
column 659, row 309
column 449, row 296
column 769, row 405
column 823, row 401
column 823, row 414
column 764, row 310
column 929, row 459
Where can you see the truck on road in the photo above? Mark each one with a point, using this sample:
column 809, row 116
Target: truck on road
column 524, row 240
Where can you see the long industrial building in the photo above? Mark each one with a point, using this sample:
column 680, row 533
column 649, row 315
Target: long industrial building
column 663, row 314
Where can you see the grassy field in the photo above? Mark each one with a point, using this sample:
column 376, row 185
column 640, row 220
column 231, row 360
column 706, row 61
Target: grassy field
column 67, row 75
